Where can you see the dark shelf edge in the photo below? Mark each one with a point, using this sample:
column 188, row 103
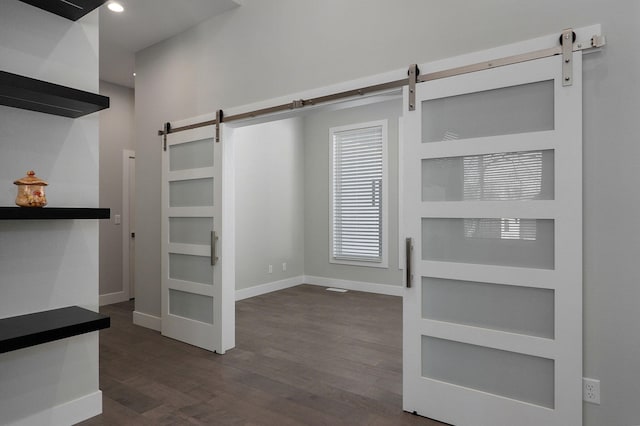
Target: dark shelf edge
column 56, row 213
column 42, row 327
column 28, row 93
column 66, row 9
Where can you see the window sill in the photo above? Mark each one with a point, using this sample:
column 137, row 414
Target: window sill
column 382, row 265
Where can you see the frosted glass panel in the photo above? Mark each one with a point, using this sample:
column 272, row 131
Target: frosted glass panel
column 191, row 193
column 522, row 377
column 505, row 176
column 523, row 310
column 191, row 155
column 185, row 267
column 505, row 241
column 192, row 306
column 190, row 230
column 509, row 110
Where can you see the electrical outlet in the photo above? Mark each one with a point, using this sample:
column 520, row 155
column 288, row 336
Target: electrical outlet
column 591, row 390
column 284, row 266
column 270, row 269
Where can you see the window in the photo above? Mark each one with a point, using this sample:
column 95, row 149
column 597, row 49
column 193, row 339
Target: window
column 358, row 194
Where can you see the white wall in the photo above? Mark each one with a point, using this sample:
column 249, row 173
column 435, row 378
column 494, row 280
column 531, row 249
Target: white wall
column 268, row 49
column 316, row 178
column 269, row 202
column 116, row 135
column 49, row 264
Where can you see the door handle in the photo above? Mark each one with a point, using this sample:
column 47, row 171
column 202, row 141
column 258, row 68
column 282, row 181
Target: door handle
column 408, row 257
column 214, row 239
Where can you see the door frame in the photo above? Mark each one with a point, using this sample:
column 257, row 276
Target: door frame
column 127, row 226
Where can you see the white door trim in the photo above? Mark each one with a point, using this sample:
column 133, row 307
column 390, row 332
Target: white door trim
column 227, row 314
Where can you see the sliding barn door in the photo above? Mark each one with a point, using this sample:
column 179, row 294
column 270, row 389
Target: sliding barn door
column 493, row 207
column 198, row 303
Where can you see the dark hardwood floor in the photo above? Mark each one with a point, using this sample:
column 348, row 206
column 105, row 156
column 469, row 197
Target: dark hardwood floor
column 303, row 356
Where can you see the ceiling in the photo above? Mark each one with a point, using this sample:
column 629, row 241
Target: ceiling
column 144, row 23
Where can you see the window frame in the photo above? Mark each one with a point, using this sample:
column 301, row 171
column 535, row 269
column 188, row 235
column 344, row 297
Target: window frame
column 384, row 262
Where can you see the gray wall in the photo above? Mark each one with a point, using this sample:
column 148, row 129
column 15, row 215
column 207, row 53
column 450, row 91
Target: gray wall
column 269, row 202
column 116, row 135
column 268, row 49
column 316, row 201
column 49, row 264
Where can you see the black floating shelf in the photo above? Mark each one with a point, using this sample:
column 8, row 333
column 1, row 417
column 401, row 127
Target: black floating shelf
column 70, row 9
column 36, row 95
column 41, row 327
column 35, row 213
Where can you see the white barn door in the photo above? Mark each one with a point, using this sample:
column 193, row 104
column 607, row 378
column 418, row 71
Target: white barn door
column 198, row 303
column 493, row 205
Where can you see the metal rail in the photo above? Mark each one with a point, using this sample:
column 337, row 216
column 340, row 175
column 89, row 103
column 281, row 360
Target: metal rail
column 595, row 42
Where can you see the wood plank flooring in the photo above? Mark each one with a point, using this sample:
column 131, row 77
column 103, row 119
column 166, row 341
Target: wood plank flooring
column 303, row 356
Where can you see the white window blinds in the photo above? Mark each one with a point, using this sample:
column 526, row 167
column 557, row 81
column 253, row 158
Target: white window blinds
column 357, row 198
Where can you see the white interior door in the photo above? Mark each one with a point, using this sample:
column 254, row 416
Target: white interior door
column 493, row 204
column 198, row 305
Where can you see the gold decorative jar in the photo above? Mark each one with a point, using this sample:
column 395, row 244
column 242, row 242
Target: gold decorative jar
column 31, row 191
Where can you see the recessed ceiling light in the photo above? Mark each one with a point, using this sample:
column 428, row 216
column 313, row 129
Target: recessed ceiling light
column 134, row 74
column 115, row 7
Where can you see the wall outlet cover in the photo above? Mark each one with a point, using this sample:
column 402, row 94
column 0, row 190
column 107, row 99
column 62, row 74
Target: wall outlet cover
column 591, row 390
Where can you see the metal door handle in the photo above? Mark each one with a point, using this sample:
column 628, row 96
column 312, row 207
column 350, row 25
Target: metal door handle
column 408, row 256
column 214, row 239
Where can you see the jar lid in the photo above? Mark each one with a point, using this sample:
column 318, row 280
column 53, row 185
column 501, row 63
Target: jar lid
column 30, row 179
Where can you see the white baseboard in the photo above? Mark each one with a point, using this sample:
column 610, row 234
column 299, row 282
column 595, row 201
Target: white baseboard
column 390, row 290
column 109, row 298
column 148, row 321
column 155, row 323
column 69, row 413
column 246, row 293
